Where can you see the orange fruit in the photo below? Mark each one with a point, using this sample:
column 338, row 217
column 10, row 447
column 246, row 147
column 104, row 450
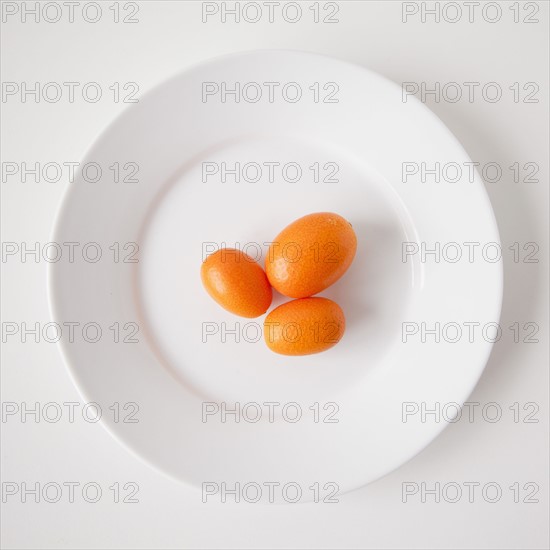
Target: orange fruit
column 236, row 282
column 310, row 254
column 304, row 326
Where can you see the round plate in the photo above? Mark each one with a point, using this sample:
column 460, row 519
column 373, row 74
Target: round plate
column 227, row 154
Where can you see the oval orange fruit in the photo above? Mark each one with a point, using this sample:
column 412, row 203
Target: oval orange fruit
column 236, row 282
column 310, row 254
column 304, row 326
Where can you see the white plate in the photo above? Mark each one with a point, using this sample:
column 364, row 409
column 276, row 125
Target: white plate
column 171, row 213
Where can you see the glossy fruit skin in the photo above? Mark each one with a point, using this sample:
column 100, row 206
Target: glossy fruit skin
column 304, row 326
column 236, row 282
column 310, row 254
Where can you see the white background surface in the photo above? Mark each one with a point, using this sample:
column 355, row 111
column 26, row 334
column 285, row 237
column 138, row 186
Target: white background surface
column 169, row 37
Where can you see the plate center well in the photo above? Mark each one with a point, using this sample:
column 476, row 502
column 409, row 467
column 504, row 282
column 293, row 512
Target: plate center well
column 242, row 195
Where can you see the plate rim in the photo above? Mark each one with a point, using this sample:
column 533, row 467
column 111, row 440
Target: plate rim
column 188, row 69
